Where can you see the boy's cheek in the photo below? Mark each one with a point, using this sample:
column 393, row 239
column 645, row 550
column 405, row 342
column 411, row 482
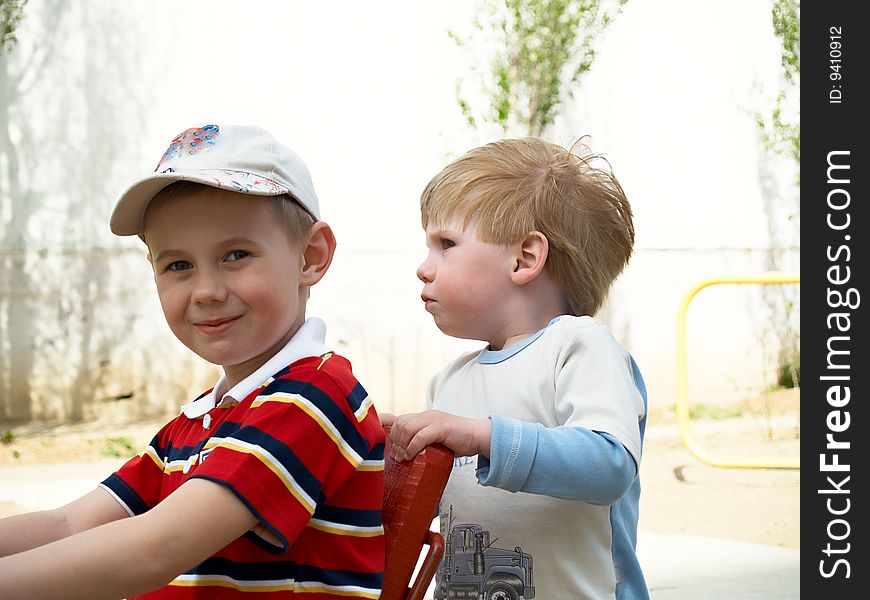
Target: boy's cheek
column 169, row 302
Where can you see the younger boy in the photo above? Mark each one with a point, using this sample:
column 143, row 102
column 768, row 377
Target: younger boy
column 272, row 481
column 525, row 239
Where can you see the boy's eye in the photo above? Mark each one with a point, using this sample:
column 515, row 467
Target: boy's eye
column 179, row 265
column 236, row 255
column 447, row 244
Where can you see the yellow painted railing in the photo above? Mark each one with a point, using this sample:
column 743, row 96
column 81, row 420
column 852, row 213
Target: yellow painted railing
column 764, row 278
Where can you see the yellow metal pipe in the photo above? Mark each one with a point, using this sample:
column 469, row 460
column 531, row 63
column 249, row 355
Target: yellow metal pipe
column 682, row 391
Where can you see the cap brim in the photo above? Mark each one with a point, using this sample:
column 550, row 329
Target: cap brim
column 128, row 217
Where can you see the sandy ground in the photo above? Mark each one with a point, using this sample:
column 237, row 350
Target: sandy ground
column 680, row 493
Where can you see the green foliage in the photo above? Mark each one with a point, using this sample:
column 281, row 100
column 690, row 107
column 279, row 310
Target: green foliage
column 7, row 437
column 543, row 47
column 787, row 26
column 780, row 133
column 711, row 412
column 118, row 447
column 789, row 374
column 11, row 13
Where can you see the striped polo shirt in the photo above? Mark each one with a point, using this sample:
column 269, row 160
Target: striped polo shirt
column 303, row 450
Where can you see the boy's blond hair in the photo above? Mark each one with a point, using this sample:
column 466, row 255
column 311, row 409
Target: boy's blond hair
column 511, row 187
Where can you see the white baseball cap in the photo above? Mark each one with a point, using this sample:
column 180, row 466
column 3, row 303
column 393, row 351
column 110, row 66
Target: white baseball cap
column 243, row 159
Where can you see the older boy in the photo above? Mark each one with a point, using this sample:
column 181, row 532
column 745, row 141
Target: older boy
column 272, row 481
column 525, row 239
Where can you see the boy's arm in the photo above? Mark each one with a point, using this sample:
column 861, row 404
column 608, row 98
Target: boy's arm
column 564, row 462
column 134, row 555
column 30, row 530
column 573, row 463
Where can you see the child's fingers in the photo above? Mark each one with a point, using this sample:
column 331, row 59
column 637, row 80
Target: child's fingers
column 398, row 436
column 405, row 426
column 414, row 431
column 429, row 434
column 404, row 431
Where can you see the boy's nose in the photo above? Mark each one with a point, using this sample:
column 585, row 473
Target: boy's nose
column 208, row 287
column 425, row 273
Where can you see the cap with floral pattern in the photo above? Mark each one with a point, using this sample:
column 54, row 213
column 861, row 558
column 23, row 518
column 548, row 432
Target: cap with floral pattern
column 241, row 158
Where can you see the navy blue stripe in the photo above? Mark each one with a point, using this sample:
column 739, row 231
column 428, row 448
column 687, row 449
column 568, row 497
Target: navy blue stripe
column 262, row 543
column 357, row 396
column 377, row 452
column 127, row 494
column 348, row 516
column 285, row 456
column 253, row 571
column 282, row 372
column 159, row 450
column 227, row 429
column 324, row 402
column 259, row 571
column 171, row 453
column 337, row 577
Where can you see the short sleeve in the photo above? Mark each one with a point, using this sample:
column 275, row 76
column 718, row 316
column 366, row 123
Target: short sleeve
column 138, row 484
column 302, row 439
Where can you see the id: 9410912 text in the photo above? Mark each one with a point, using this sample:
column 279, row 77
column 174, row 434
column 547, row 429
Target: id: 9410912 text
column 835, row 64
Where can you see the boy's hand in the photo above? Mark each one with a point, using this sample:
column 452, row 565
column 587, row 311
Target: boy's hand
column 412, row 432
column 387, row 419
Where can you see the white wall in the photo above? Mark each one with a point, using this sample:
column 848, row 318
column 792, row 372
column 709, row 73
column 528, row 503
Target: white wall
column 670, row 103
column 365, row 93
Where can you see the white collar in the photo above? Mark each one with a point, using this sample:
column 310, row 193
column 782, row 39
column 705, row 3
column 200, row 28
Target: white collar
column 308, row 341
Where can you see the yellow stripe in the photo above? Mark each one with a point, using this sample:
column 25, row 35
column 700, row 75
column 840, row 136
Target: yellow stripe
column 309, row 409
column 288, row 483
column 323, row 359
column 330, row 528
column 232, row 584
column 370, row 467
column 149, row 452
column 363, row 410
column 295, row 586
column 322, row 589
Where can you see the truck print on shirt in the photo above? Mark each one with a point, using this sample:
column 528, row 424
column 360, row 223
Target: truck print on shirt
column 473, row 569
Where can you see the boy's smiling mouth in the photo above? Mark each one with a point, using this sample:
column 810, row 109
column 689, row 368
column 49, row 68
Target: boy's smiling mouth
column 216, row 326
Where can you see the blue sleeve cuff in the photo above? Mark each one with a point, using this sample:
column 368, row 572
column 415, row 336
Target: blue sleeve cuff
column 513, row 446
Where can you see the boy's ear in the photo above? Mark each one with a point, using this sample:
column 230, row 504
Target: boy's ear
column 317, row 253
column 531, row 256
